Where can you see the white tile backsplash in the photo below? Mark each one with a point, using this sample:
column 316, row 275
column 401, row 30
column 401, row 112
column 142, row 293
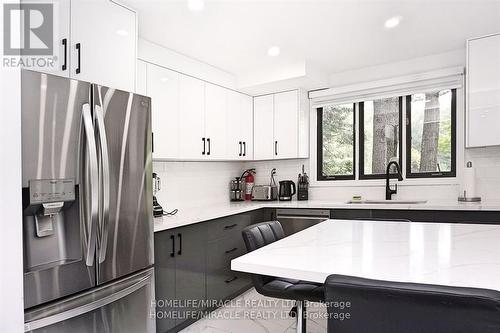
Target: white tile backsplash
column 486, row 161
column 285, row 170
column 188, row 184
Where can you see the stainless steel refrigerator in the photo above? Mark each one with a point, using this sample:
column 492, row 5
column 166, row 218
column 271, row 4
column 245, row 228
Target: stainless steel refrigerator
column 87, row 207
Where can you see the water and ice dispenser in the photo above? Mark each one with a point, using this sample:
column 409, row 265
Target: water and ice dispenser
column 51, row 222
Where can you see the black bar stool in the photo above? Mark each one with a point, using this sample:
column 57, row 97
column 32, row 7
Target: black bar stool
column 357, row 305
column 262, row 234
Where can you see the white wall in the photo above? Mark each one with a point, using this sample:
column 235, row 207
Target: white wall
column 11, row 243
column 400, row 68
column 159, row 55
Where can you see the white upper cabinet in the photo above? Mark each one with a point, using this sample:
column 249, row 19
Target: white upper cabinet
column 193, row 119
column 483, row 91
column 263, row 113
column 279, row 122
column 62, row 41
column 216, row 121
column 286, row 130
column 103, row 43
column 163, row 88
column 239, row 126
column 246, row 125
column 192, row 141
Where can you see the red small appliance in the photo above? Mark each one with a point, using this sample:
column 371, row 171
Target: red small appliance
column 249, row 183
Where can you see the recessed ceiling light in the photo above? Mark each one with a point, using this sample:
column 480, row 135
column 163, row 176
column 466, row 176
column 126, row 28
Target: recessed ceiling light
column 164, row 79
column 196, row 5
column 393, row 22
column 274, row 51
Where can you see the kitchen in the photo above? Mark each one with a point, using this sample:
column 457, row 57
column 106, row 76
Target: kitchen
column 150, row 148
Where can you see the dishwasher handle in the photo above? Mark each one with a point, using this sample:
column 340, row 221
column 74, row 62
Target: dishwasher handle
column 321, row 218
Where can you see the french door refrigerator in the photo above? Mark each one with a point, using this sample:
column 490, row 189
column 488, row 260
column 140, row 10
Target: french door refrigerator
column 87, row 207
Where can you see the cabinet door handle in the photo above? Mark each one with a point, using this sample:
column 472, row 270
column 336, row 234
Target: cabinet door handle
column 172, row 238
column 232, row 250
column 180, row 244
column 276, row 148
column 152, row 142
column 231, row 279
column 204, row 150
column 244, row 148
column 208, row 141
column 65, row 63
column 240, row 149
column 79, row 53
column 230, row 226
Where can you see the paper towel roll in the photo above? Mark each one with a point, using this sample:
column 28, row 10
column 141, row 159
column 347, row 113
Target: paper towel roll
column 469, row 184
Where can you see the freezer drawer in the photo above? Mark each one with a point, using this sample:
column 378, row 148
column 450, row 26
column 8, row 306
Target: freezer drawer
column 125, row 306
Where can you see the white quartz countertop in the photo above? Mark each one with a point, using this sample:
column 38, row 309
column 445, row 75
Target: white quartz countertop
column 461, row 255
column 205, row 212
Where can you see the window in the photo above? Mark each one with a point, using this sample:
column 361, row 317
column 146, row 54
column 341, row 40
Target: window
column 336, row 142
column 380, row 136
column 430, row 136
column 423, row 128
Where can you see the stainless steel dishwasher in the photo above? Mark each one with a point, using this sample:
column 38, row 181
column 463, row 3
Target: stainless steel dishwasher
column 295, row 220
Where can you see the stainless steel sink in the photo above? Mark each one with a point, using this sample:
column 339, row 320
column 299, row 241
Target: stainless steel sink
column 387, row 202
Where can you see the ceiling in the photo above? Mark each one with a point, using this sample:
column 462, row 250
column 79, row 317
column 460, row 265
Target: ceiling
column 334, row 36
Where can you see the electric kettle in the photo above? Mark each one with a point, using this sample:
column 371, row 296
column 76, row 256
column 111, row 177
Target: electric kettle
column 287, row 190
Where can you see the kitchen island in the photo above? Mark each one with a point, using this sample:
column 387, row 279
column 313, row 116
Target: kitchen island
column 451, row 254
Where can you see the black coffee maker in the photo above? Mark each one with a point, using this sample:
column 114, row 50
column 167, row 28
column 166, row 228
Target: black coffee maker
column 287, row 190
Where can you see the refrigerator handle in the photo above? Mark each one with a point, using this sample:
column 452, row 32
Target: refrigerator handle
column 93, row 183
column 104, row 181
column 94, row 305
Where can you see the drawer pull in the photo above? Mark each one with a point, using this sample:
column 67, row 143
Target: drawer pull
column 230, row 226
column 232, row 250
column 172, row 238
column 231, row 279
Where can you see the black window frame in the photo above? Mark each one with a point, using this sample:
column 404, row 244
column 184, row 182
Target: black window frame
column 447, row 174
column 319, row 148
column 362, row 175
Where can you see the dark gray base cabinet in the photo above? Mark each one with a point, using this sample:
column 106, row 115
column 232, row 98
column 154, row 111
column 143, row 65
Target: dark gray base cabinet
column 193, row 264
column 443, row 216
column 180, row 272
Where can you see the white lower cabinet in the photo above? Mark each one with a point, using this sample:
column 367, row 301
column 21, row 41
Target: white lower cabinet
column 279, row 121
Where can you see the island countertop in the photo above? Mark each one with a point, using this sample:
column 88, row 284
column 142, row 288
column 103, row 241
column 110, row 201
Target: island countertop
column 461, row 255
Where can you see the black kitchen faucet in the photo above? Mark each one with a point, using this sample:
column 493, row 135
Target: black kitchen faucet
column 388, row 191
